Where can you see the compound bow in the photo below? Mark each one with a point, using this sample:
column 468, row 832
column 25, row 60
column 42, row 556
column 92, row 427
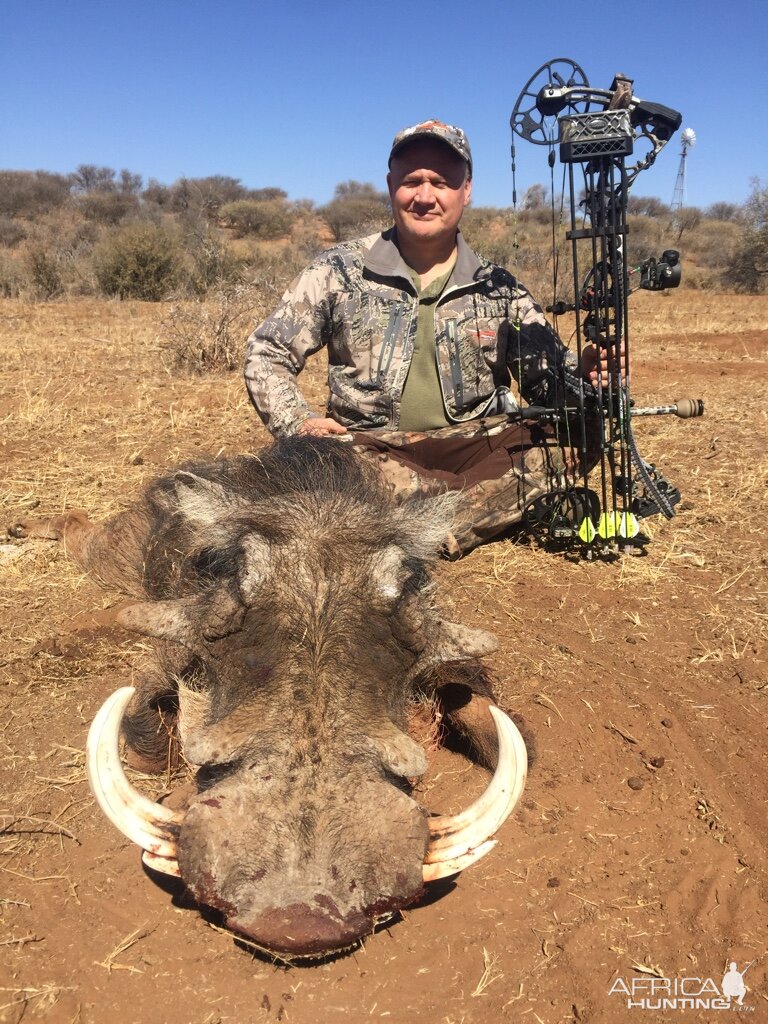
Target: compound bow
column 598, row 130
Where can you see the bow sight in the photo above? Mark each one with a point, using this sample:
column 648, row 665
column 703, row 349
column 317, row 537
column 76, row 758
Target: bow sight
column 600, row 132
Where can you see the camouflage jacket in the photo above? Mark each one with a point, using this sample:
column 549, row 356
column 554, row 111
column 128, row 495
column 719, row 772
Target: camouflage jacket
column 358, row 300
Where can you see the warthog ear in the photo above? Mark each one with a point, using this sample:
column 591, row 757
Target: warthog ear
column 204, row 504
column 453, row 642
column 164, row 620
column 426, row 521
column 389, row 571
column 188, row 620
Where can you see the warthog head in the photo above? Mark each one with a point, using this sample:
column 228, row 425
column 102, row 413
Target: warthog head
column 296, row 620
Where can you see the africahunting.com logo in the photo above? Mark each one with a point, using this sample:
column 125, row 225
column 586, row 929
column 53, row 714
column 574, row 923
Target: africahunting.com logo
column 655, row 992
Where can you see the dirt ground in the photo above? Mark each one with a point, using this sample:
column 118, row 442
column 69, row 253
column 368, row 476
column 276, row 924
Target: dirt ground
column 638, row 852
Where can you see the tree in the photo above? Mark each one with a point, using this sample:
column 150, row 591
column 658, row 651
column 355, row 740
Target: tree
column 748, row 270
column 686, row 219
column 205, row 195
column 107, row 207
column 647, row 206
column 534, row 197
column 270, row 192
column 157, row 193
column 725, row 211
column 130, row 183
column 89, row 178
column 265, row 218
column 31, row 193
column 356, row 207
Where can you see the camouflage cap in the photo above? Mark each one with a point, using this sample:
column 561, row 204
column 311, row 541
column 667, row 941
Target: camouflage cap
column 447, row 133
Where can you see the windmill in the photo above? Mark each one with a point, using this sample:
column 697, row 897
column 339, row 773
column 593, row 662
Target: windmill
column 688, row 139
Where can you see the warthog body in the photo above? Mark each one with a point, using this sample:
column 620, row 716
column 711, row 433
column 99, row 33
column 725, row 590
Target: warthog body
column 294, row 622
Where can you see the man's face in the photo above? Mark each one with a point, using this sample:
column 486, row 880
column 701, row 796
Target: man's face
column 429, row 188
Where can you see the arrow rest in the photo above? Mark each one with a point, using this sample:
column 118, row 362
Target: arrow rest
column 596, row 132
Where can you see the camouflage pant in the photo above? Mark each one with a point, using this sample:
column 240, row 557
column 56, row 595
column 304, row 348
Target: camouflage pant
column 500, row 469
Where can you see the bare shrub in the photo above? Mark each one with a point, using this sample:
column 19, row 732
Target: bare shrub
column 309, row 236
column 714, row 243
column 139, row 261
column 210, row 334
column 157, row 194
column 646, row 236
column 748, row 268
column 11, row 232
column 212, row 264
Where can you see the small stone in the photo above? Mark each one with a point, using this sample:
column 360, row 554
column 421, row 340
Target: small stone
column 553, row 883
column 658, row 762
column 634, row 783
column 137, row 460
column 667, row 723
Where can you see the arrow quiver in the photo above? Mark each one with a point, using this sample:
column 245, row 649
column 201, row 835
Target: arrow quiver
column 604, row 138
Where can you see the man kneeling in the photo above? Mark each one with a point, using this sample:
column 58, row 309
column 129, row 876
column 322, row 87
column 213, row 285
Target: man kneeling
column 424, row 337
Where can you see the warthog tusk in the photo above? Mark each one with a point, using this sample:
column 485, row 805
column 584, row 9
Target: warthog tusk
column 148, row 824
column 442, row 869
column 458, row 840
column 165, row 865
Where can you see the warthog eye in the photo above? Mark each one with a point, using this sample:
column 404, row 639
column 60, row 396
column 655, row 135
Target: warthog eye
column 209, row 775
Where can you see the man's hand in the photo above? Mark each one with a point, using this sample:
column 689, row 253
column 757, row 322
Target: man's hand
column 314, row 426
column 599, row 364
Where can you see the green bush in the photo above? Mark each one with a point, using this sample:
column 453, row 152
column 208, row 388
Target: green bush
column 356, row 209
column 262, row 218
column 44, row 271
column 105, row 207
column 139, row 261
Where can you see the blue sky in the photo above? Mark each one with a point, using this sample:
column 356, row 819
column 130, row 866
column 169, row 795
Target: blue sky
column 303, row 95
